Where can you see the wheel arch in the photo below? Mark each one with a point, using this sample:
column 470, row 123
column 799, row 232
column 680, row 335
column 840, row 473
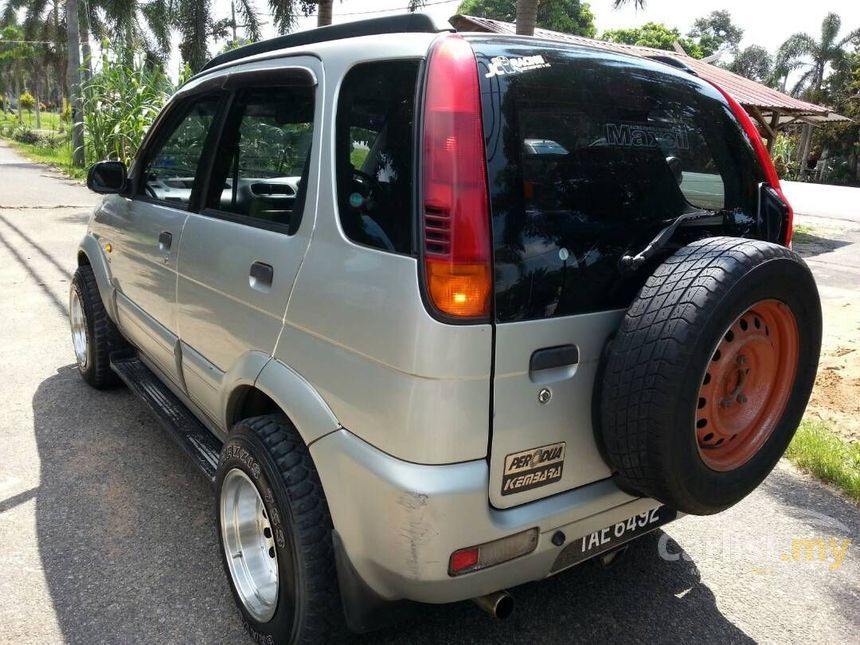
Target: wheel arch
column 90, row 254
column 279, row 388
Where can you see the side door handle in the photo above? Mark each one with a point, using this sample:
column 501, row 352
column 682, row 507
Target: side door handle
column 553, row 363
column 261, row 276
column 165, row 239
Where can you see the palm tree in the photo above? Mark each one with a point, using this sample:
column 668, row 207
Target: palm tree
column 324, row 12
column 286, row 12
column 41, row 24
column 802, row 51
column 74, row 82
column 526, row 17
column 13, row 61
column 639, row 4
column 325, row 9
column 132, row 26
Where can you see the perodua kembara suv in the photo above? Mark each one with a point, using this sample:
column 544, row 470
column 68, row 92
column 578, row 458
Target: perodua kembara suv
column 443, row 313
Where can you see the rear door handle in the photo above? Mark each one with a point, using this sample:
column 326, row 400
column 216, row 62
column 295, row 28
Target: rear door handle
column 553, row 363
column 165, row 239
column 261, row 276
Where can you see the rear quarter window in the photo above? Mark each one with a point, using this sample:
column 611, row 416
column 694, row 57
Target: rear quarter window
column 374, row 154
column 589, row 155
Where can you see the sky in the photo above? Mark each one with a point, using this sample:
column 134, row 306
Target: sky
column 765, row 22
column 753, row 16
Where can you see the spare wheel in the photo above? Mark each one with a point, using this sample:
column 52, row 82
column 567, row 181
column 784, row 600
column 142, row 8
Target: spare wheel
column 709, row 374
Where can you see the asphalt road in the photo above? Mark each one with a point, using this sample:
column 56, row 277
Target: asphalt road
column 832, row 245
column 107, row 534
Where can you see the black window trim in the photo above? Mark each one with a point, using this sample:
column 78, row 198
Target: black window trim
column 162, row 129
column 239, row 82
column 418, row 111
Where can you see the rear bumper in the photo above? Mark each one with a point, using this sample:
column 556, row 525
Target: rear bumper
column 399, row 522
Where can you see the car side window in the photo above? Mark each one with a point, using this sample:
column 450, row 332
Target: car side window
column 265, row 157
column 375, row 154
column 171, row 168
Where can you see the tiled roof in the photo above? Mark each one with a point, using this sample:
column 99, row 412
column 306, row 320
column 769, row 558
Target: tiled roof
column 746, row 92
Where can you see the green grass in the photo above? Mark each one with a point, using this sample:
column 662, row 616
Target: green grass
column 802, row 233
column 50, row 121
column 833, row 460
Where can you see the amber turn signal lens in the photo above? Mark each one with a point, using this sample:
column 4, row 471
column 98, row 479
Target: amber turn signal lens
column 461, row 290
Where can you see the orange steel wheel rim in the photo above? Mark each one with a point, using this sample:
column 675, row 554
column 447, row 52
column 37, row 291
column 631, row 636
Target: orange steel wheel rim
column 746, row 385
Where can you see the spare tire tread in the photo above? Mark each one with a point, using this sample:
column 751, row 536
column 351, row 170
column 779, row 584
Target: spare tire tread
column 654, row 341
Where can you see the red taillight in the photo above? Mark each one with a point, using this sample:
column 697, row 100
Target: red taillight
column 761, row 152
column 462, row 560
column 456, row 219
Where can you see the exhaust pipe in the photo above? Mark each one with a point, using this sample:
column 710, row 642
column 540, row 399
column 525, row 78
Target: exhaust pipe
column 499, row 604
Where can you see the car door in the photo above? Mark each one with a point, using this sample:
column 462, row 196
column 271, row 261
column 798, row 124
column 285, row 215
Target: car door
column 583, row 176
column 242, row 252
column 147, row 227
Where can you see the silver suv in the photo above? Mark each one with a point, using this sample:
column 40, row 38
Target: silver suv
column 440, row 314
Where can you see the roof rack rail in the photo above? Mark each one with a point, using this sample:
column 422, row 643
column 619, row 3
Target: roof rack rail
column 404, row 23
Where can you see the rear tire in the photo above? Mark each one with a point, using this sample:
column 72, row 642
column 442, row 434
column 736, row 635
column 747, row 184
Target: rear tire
column 710, row 373
column 94, row 336
column 295, row 530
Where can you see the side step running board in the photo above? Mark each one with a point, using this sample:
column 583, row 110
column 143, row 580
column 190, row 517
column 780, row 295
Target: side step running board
column 191, row 435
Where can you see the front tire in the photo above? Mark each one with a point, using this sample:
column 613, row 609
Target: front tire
column 94, row 336
column 276, row 534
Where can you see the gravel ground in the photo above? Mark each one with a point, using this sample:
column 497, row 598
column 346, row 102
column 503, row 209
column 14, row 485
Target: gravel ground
column 107, row 533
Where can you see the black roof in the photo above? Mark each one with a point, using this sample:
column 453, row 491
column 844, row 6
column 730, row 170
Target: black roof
column 405, row 23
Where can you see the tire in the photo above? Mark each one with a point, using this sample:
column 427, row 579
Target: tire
column 268, row 452
column 88, row 316
column 710, row 372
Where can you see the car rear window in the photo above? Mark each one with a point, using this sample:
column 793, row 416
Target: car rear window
column 589, row 155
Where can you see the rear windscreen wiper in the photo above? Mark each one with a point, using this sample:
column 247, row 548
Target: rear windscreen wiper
column 631, row 263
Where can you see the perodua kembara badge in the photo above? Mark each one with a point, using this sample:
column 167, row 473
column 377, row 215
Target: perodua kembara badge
column 532, row 468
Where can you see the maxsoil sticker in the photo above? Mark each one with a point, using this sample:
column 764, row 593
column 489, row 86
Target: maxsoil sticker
column 637, row 135
column 532, row 468
column 501, row 65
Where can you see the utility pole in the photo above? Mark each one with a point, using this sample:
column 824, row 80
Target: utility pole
column 74, row 81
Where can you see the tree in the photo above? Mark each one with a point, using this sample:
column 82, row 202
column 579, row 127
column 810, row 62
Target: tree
column 13, row 61
column 716, row 32
column 653, row 34
column 325, row 12
column 617, row 4
column 244, row 15
column 803, row 52
column 27, row 102
column 568, row 16
column 753, row 62
column 841, row 140
column 74, row 82
column 42, row 25
column 194, row 20
column 526, row 17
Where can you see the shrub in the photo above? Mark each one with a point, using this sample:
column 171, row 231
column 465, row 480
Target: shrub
column 25, row 135
column 50, row 141
column 27, row 101
column 120, row 103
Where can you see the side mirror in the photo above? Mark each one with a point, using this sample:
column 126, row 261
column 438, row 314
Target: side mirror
column 107, row 177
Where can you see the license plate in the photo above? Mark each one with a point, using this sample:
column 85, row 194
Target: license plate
column 592, row 544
